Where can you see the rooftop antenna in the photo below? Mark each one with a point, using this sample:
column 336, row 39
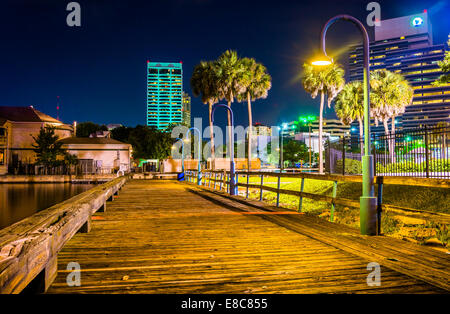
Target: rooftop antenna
column 57, row 107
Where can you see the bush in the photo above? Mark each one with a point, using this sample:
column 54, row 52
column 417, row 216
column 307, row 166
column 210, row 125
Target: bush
column 411, row 166
column 351, row 166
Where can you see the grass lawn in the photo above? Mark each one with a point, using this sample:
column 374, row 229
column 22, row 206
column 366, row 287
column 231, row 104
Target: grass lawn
column 416, row 230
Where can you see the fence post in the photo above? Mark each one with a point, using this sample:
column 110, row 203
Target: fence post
column 278, row 189
column 333, row 205
column 379, row 203
column 343, row 155
column 237, row 182
column 261, row 189
column 248, row 182
column 427, row 161
column 300, row 204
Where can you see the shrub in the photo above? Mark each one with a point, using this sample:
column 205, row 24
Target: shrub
column 351, row 166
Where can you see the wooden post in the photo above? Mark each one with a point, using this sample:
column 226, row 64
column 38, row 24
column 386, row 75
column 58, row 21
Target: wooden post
column 248, row 182
column 215, row 179
column 333, row 205
column 278, row 189
column 261, row 188
column 237, row 181
column 86, row 227
column 300, row 203
column 102, row 208
column 221, row 181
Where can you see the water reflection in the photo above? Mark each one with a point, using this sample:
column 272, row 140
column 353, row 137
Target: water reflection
column 18, row 201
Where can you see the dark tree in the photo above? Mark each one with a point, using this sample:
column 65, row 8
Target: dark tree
column 84, row 129
column 48, row 148
column 294, row 151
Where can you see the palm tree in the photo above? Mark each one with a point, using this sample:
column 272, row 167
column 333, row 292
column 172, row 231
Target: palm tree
column 349, row 106
column 390, row 94
column 444, row 79
column 328, row 81
column 229, row 74
column 257, row 85
column 204, row 84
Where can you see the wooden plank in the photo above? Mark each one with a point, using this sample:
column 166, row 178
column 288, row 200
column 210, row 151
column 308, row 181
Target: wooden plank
column 29, row 247
column 181, row 240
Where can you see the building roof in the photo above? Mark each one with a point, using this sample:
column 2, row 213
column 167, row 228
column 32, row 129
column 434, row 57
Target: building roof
column 25, row 114
column 90, row 140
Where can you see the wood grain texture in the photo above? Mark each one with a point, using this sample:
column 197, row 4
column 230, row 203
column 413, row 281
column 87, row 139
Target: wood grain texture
column 30, row 246
column 170, row 237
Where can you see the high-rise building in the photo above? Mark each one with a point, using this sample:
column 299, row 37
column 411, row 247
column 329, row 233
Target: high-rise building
column 404, row 45
column 186, row 109
column 164, row 94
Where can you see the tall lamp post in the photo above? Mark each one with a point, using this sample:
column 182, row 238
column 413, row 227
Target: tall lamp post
column 181, row 175
column 199, row 168
column 233, row 187
column 368, row 202
column 283, row 127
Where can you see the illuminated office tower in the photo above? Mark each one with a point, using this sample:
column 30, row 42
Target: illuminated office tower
column 186, row 109
column 405, row 45
column 164, row 94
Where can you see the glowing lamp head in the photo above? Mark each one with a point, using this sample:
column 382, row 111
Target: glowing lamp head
column 322, row 60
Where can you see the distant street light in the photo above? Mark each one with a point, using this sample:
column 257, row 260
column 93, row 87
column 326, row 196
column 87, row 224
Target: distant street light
column 368, row 202
column 233, row 187
column 199, row 166
column 181, row 175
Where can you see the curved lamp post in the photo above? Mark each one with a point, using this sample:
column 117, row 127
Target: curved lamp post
column 233, row 187
column 368, row 202
column 199, row 170
column 181, row 175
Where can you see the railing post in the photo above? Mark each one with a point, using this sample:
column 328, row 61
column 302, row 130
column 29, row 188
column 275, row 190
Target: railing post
column 333, row 205
column 261, row 188
column 379, row 203
column 237, row 181
column 215, row 180
column 300, row 203
column 221, row 181
column 278, row 189
column 427, row 161
column 248, row 182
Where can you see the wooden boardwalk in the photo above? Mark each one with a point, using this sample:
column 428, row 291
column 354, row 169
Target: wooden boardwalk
column 169, row 237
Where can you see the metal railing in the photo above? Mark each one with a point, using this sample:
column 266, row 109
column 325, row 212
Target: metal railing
column 422, row 152
column 220, row 179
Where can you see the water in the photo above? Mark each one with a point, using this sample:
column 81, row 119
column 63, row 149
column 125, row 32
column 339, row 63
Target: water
column 18, row 201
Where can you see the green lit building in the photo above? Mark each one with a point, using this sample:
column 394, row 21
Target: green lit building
column 164, row 94
column 404, row 45
column 186, row 110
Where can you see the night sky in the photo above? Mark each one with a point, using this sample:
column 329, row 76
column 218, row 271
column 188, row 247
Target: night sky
column 99, row 69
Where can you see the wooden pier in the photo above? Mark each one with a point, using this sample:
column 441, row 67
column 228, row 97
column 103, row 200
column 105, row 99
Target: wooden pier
column 170, row 237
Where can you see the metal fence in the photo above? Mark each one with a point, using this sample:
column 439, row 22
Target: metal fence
column 421, row 152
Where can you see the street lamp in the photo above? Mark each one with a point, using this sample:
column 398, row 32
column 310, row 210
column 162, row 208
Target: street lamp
column 233, row 187
column 368, row 202
column 309, row 120
column 284, row 127
column 199, row 168
column 180, row 176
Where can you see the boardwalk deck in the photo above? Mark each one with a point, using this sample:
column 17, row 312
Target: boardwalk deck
column 168, row 237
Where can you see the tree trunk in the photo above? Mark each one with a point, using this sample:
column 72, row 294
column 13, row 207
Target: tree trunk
column 361, row 136
column 211, row 135
column 388, row 138
column 393, row 140
column 322, row 97
column 250, row 132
